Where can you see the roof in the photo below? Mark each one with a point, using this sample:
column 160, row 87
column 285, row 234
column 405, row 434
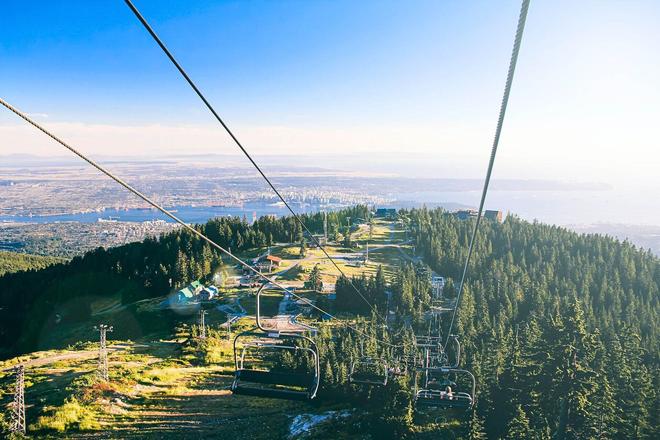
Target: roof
column 273, row 258
column 190, row 289
column 186, row 292
column 208, row 292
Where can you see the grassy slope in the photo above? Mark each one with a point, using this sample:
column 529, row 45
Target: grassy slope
column 153, row 393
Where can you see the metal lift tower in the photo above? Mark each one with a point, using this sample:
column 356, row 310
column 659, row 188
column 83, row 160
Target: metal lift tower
column 103, row 351
column 18, row 414
column 202, row 324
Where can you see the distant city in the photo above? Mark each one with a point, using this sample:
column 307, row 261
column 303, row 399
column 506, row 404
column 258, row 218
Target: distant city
column 64, row 208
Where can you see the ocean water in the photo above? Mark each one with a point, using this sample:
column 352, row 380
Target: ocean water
column 625, row 206
column 190, row 214
column 633, row 207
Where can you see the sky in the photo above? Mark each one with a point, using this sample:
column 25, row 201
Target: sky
column 416, row 84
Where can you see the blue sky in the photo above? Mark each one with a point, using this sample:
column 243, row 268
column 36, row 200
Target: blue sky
column 257, row 59
column 420, row 80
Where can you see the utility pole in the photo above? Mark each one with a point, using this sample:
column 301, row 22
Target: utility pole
column 202, row 324
column 18, row 414
column 103, row 350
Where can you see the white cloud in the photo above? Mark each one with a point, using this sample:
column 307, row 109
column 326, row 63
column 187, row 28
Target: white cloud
column 193, row 139
column 587, row 149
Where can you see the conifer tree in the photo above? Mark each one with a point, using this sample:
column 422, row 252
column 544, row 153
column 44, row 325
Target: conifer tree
column 518, row 427
column 476, row 428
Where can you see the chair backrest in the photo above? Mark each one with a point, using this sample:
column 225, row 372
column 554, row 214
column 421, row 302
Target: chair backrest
column 369, row 371
column 263, row 382
column 433, row 399
column 434, row 395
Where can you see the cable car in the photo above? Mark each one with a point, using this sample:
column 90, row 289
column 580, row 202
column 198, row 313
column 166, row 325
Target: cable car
column 271, row 377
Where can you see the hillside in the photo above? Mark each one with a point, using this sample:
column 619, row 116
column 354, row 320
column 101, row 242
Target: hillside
column 559, row 329
column 15, row 262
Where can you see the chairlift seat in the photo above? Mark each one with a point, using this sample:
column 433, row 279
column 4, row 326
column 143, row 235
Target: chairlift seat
column 275, row 378
column 271, row 393
column 272, row 384
column 368, row 379
column 369, row 371
column 432, row 399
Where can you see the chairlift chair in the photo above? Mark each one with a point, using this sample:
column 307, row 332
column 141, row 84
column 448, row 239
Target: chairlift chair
column 273, row 382
column 433, row 353
column 431, row 398
column 369, row 371
column 399, row 369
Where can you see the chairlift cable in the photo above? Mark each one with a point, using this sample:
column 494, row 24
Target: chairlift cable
column 231, row 134
column 505, row 100
column 169, row 214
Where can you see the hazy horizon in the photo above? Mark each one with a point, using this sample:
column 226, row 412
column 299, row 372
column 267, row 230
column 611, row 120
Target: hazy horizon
column 562, row 202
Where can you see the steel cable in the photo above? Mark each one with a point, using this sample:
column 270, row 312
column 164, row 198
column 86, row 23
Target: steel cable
column 500, row 121
column 178, row 220
column 231, row 134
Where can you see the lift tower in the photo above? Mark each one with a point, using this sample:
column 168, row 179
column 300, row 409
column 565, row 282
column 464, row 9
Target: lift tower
column 202, row 324
column 103, row 350
column 18, row 413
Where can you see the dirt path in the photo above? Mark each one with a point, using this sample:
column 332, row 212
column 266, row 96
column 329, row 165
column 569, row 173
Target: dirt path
column 74, row 355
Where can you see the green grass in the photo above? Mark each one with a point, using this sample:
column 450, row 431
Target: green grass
column 70, row 416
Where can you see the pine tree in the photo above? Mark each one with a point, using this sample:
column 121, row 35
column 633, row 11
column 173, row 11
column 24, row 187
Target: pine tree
column 518, row 427
column 181, row 270
column 574, row 381
column 476, row 428
column 637, row 391
column 314, row 281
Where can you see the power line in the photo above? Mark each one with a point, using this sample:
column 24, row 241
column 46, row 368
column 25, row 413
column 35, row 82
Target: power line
column 240, row 145
column 169, row 214
column 500, row 121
